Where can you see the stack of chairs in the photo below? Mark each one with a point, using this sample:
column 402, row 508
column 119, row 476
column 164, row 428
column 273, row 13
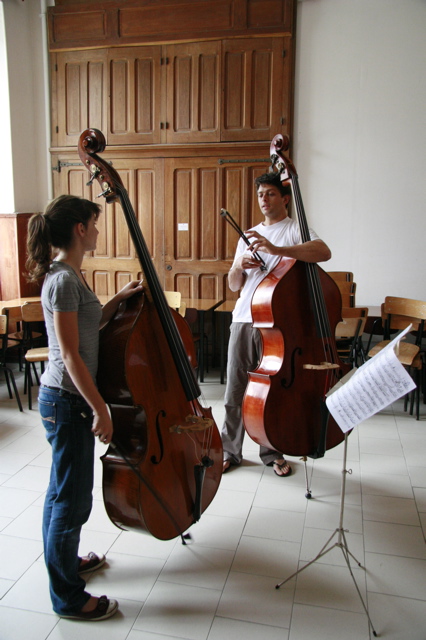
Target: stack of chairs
column 347, row 287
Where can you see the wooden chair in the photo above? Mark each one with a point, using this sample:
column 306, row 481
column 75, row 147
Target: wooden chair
column 375, row 328
column 347, row 287
column 192, row 318
column 8, row 373
column 397, row 314
column 174, row 300
column 345, row 276
column 32, row 313
column 347, row 291
column 19, row 337
column 349, row 335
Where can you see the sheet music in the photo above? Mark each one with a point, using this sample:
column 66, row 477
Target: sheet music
column 369, row 389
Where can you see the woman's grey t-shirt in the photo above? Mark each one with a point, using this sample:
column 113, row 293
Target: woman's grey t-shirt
column 63, row 291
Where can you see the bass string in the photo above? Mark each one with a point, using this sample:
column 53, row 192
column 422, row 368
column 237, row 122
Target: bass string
column 157, row 293
column 172, row 335
column 320, row 309
column 317, row 295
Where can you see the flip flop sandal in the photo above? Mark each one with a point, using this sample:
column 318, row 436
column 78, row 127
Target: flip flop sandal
column 282, row 466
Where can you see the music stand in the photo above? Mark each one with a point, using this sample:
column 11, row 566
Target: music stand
column 341, row 541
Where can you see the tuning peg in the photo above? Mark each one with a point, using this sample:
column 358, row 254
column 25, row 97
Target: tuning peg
column 105, row 192
column 95, row 172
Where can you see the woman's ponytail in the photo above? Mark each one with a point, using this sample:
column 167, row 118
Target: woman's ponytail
column 39, row 247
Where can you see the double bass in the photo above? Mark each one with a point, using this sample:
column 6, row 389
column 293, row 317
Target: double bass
column 164, row 465
column 296, row 309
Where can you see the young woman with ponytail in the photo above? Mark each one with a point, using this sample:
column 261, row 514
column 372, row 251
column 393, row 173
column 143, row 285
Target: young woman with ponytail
column 72, row 409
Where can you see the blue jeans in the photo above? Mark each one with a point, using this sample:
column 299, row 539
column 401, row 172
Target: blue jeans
column 67, row 419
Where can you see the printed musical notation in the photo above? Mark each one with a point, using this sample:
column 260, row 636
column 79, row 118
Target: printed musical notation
column 369, row 389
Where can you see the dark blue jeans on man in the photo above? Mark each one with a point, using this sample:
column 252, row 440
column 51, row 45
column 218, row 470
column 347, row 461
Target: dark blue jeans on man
column 67, row 419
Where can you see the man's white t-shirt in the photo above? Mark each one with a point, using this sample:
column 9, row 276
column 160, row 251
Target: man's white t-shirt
column 282, row 234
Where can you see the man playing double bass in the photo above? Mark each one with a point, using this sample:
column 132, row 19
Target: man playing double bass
column 275, row 237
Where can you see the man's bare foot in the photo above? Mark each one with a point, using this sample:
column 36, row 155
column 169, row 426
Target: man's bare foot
column 282, row 468
column 226, row 465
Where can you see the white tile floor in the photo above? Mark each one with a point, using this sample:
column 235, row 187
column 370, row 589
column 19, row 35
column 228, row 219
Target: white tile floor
column 257, row 532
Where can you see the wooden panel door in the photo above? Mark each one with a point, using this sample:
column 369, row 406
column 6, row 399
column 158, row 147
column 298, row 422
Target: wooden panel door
column 253, row 71
column 80, row 83
column 199, row 244
column 114, row 263
column 134, row 95
column 193, row 92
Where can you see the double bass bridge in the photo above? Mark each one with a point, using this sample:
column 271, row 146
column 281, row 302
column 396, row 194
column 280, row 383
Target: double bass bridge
column 323, row 366
column 192, row 423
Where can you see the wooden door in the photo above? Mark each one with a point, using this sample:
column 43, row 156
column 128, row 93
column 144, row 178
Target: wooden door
column 134, row 95
column 199, row 244
column 114, row 263
column 253, row 78
column 79, row 92
column 193, row 92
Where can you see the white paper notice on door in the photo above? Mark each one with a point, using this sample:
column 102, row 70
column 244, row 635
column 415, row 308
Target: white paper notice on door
column 369, row 389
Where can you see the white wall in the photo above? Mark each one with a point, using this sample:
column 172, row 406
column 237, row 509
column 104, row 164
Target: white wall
column 360, row 138
column 6, row 169
column 25, row 82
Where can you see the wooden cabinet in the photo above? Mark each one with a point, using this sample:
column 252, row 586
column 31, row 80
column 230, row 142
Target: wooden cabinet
column 79, row 83
column 193, row 92
column 180, row 93
column 254, row 73
column 84, row 24
column 189, row 97
column 134, row 95
column 199, row 244
column 114, row 263
column 177, row 202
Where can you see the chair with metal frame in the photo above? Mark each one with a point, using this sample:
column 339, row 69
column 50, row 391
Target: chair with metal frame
column 338, row 276
column 349, row 335
column 32, row 313
column 192, row 318
column 19, row 337
column 397, row 314
column 347, row 291
column 174, row 300
column 5, row 345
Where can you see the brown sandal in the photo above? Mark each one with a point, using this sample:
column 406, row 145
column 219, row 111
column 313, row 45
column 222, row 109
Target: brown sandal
column 91, row 562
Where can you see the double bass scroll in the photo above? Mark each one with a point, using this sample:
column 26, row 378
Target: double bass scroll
column 296, row 309
column 165, row 463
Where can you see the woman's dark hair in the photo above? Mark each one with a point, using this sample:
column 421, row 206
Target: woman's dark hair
column 274, row 179
column 54, row 229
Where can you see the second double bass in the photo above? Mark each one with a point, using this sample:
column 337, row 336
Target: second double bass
column 296, row 309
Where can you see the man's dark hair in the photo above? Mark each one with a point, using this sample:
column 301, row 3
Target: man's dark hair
column 273, row 179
